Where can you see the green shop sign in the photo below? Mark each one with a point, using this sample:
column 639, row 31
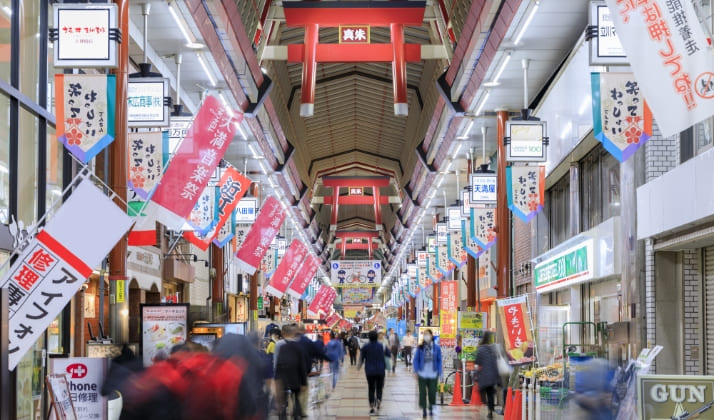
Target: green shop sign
column 569, row 267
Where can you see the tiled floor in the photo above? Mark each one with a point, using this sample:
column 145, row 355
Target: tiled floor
column 399, row 400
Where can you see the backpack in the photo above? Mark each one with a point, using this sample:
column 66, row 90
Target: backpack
column 353, row 343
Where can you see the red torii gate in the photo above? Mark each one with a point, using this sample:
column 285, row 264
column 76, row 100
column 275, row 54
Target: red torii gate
column 392, row 14
column 375, row 182
column 352, row 235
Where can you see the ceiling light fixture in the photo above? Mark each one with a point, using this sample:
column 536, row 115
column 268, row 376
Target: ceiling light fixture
column 481, row 104
column 254, row 152
column 209, row 75
column 523, row 29
column 499, row 72
column 467, row 131
column 180, row 22
column 242, row 133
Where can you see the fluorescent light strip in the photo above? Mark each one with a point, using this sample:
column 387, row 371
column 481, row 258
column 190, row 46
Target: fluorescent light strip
column 206, row 70
column 531, row 14
column 467, row 131
column 253, row 151
column 484, row 98
column 180, row 22
column 500, row 70
column 242, row 133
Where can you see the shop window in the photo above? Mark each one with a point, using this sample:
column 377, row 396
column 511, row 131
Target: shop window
column 599, row 187
column 558, row 197
column 5, row 39
column 30, row 38
column 27, row 168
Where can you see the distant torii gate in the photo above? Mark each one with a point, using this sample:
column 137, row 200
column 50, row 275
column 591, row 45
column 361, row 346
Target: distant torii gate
column 392, row 14
column 352, row 235
column 374, row 182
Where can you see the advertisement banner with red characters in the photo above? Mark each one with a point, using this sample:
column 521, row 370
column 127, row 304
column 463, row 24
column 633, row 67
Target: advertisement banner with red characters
column 622, row 121
column 321, row 300
column 671, row 58
column 56, row 262
column 483, row 227
column 304, row 276
column 447, row 312
column 85, row 112
column 516, row 323
column 326, row 305
column 287, row 269
column 194, row 163
column 85, row 376
column 332, row 319
column 526, row 190
column 261, row 234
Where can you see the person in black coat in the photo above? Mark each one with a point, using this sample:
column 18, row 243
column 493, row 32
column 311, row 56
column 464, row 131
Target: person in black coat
column 372, row 355
column 488, row 376
column 290, row 370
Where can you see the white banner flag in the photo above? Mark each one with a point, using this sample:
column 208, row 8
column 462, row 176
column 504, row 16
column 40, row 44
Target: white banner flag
column 57, row 261
column 671, row 59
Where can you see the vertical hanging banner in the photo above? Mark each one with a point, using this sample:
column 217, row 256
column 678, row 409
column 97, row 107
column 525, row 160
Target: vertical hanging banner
column 268, row 263
column 261, row 234
column 469, row 245
column 432, row 272
column 194, row 163
column 483, row 224
column 203, row 214
column 443, row 264
column 526, row 190
column 226, row 232
column 447, row 313
column 671, row 58
column 622, row 121
column 55, row 263
column 515, row 321
column 287, row 269
column 304, row 276
column 457, row 252
column 332, row 319
column 320, row 299
column 85, row 105
column 146, row 160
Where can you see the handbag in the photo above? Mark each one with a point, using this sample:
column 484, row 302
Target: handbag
column 504, row 369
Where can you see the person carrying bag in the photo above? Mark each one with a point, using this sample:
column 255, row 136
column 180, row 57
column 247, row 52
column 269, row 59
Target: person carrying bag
column 488, row 370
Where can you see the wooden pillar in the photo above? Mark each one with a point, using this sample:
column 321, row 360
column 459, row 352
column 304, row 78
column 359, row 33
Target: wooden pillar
column 436, row 295
column 503, row 217
column 217, row 291
column 399, row 69
column 309, row 70
column 470, row 282
column 400, row 313
column 412, row 309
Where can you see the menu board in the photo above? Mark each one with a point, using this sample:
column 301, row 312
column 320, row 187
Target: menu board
column 162, row 327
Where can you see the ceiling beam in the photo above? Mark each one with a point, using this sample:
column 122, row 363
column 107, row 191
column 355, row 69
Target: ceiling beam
column 349, row 181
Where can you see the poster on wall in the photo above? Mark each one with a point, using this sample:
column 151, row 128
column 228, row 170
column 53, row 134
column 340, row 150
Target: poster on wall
column 447, row 313
column 356, row 273
column 162, row 327
column 515, row 320
column 85, row 376
column 357, row 295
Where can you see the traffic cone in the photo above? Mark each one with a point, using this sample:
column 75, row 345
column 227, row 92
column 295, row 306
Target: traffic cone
column 517, row 410
column 457, row 400
column 508, row 405
column 475, row 395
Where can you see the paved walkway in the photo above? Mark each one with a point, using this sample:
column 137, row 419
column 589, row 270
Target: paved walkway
column 399, row 400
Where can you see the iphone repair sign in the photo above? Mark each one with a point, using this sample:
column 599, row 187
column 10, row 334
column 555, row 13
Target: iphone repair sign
column 85, row 376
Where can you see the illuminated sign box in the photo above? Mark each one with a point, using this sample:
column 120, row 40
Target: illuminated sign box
column 85, row 35
column 605, row 46
column 145, row 103
column 483, row 188
column 526, row 141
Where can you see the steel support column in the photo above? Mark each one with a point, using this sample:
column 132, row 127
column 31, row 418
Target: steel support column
column 309, row 70
column 503, row 216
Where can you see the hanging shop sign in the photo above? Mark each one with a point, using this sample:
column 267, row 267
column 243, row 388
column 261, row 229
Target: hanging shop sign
column 282, row 245
column 572, row 266
column 85, row 377
column 287, row 269
column 148, row 102
column 178, row 128
column 332, row 319
column 54, row 264
column 605, row 46
column 483, row 188
column 431, row 268
column 356, row 273
column 622, row 120
column 261, row 234
column 526, row 141
column 443, row 264
column 483, row 227
column 85, row 35
column 526, row 190
column 674, row 396
column 304, row 276
column 194, row 163
column 246, row 210
column 457, row 252
column 468, row 243
column 671, row 58
column 162, row 328
column 412, row 270
column 421, row 258
column 515, row 321
column 441, row 232
column 454, row 218
column 85, row 106
column 148, row 153
column 354, row 34
column 448, row 313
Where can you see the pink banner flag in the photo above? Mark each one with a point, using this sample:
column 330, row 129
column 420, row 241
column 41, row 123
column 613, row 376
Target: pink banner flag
column 261, row 234
column 287, row 269
column 326, row 306
column 195, row 161
column 304, row 276
column 321, row 299
column 333, row 319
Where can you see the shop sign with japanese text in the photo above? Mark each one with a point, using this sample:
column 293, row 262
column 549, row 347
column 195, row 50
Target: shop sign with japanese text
column 454, row 218
column 83, row 35
column 513, row 314
column 526, row 190
column 421, row 258
column 605, row 46
column 671, row 58
column 85, row 377
column 246, row 210
column 178, row 128
column 571, row 266
column 483, row 188
column 354, row 34
column 456, row 251
column 473, row 320
column 57, row 261
column 145, row 102
column 468, row 243
column 261, row 234
column 526, row 141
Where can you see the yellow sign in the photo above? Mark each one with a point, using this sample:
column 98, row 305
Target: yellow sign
column 472, row 320
column 255, row 315
column 120, row 292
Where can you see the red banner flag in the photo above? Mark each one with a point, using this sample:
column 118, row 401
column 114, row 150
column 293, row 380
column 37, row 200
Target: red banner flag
column 323, row 299
column 261, row 234
column 287, row 269
column 195, row 161
column 304, row 276
column 333, row 319
column 519, row 340
column 326, row 306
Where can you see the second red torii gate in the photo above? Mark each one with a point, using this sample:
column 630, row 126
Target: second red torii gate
column 374, row 182
column 370, row 246
column 392, row 14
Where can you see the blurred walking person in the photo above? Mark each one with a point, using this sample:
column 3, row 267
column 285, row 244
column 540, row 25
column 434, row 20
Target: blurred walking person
column 393, row 347
column 488, row 376
column 290, row 372
column 408, row 346
column 352, row 347
column 373, row 355
column 428, row 367
column 335, row 352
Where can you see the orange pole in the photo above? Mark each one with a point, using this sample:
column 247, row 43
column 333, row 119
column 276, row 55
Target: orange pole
column 503, row 219
column 399, row 69
column 309, row 70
